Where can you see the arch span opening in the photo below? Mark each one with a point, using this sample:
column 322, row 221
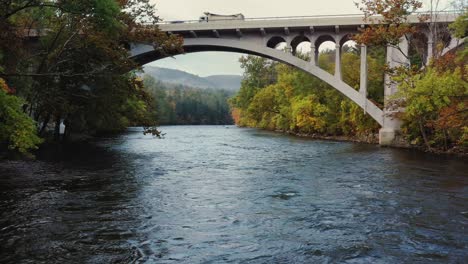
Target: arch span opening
column 301, row 45
column 214, row 44
column 278, row 43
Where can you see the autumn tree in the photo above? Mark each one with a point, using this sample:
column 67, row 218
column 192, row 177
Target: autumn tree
column 389, row 22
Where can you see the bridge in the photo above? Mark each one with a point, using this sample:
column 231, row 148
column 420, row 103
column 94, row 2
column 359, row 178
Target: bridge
column 261, row 36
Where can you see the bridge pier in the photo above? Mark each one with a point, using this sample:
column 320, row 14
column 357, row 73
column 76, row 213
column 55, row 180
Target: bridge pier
column 396, row 57
column 338, row 61
column 313, row 55
column 364, row 76
column 388, row 134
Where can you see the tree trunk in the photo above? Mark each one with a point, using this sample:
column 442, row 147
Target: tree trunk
column 423, row 133
column 445, row 140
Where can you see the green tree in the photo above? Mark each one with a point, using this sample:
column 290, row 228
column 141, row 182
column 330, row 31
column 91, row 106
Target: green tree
column 17, row 130
column 424, row 96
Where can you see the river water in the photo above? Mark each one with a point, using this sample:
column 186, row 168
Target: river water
column 215, row 194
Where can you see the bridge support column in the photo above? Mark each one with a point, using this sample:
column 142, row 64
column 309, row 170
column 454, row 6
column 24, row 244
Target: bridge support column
column 391, row 123
column 364, row 73
column 289, row 48
column 313, row 55
column 338, row 61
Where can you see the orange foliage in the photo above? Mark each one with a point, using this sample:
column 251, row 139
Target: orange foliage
column 393, row 22
column 236, row 115
column 449, row 62
column 453, row 116
column 4, row 87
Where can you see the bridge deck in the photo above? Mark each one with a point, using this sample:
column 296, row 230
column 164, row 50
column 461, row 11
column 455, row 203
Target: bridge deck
column 343, row 21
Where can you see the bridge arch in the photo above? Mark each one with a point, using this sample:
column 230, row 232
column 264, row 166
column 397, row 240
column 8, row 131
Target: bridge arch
column 345, row 39
column 192, row 45
column 324, row 38
column 297, row 41
column 273, row 42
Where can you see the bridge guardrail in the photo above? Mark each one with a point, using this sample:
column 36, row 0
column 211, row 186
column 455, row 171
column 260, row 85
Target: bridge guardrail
column 171, row 22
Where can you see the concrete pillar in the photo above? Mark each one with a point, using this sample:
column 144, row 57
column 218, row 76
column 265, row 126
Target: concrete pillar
column 338, row 61
column 288, row 46
column 313, row 55
column 364, row 73
column 392, row 123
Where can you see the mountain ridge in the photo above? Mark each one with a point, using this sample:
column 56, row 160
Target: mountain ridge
column 172, row 76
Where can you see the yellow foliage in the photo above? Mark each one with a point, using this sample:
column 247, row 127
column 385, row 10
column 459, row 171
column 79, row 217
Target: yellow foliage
column 4, row 86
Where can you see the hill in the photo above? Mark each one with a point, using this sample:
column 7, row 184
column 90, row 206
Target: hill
column 171, row 76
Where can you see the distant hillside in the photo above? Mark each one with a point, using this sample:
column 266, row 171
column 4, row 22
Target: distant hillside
column 226, row 82
column 170, row 76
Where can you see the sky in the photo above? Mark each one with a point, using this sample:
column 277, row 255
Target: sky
column 217, row 63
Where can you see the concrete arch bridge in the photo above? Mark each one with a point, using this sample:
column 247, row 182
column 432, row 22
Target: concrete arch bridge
column 261, row 37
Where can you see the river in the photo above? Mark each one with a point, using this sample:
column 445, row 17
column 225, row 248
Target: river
column 215, row 194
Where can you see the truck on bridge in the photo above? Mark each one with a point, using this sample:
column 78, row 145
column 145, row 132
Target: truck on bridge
column 215, row 17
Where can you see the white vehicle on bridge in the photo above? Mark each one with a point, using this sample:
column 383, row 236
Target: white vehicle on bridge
column 215, row 17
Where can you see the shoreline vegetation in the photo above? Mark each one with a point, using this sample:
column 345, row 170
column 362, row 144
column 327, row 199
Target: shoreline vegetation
column 373, row 139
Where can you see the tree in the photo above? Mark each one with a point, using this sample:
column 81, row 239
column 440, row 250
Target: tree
column 300, row 103
column 435, row 103
column 392, row 23
column 17, row 130
column 459, row 28
column 258, row 73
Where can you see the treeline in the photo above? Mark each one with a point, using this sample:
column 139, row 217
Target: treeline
column 279, row 97
column 67, row 63
column 181, row 105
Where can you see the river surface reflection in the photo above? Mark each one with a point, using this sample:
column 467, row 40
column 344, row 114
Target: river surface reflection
column 215, row 194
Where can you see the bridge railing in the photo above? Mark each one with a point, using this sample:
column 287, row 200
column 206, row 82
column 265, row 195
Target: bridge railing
column 171, row 22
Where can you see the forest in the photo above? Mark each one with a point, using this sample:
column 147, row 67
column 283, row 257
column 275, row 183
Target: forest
column 182, row 105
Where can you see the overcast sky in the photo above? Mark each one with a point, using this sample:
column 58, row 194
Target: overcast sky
column 214, row 63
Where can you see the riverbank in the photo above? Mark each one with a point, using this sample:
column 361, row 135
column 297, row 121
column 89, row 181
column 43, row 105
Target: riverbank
column 366, row 139
column 373, row 139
